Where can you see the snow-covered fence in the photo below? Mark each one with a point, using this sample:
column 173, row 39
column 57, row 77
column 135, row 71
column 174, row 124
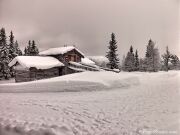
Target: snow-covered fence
column 108, row 69
column 82, row 66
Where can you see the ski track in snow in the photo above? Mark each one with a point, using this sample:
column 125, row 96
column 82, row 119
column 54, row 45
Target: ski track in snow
column 153, row 104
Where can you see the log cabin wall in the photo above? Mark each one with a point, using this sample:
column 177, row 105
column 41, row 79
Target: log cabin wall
column 69, row 56
column 37, row 74
column 22, row 76
column 66, row 70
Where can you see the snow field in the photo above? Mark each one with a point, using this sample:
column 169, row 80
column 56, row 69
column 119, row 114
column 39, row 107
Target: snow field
column 149, row 101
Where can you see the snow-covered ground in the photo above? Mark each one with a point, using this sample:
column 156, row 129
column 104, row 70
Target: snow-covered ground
column 93, row 103
column 12, row 80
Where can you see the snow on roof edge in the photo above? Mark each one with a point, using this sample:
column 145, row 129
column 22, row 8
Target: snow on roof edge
column 38, row 62
column 60, row 50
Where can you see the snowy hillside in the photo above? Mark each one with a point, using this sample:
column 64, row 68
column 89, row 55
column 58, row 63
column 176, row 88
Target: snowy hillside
column 92, row 103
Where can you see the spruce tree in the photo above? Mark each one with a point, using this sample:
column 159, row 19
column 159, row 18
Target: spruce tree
column 131, row 49
column 31, row 49
column 156, row 60
column 112, row 53
column 152, row 58
column 136, row 61
column 166, row 59
column 123, row 62
column 129, row 64
column 34, row 49
column 25, row 51
column 4, row 55
column 12, row 53
column 2, row 38
column 17, row 49
column 174, row 61
column 28, row 48
column 142, row 65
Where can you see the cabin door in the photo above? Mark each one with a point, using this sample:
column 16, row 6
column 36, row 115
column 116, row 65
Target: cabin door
column 60, row 71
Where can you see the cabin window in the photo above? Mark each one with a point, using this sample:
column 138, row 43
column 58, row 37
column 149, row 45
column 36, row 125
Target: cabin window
column 78, row 59
column 72, row 58
column 66, row 59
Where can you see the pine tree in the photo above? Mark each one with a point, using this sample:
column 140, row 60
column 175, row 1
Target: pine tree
column 129, row 64
column 28, row 48
column 25, row 51
column 136, row 61
column 12, row 53
column 4, row 55
column 156, row 60
column 123, row 62
column 31, row 49
column 2, row 38
column 131, row 49
column 152, row 57
column 174, row 61
column 34, row 50
column 17, row 49
column 112, row 53
column 166, row 59
column 142, row 65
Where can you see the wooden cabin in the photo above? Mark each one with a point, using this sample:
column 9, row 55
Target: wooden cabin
column 65, row 55
column 51, row 63
column 30, row 68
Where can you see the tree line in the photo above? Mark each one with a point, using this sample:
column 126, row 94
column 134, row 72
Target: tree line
column 152, row 62
column 9, row 49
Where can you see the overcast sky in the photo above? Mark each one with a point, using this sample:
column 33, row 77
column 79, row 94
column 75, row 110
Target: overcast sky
column 89, row 23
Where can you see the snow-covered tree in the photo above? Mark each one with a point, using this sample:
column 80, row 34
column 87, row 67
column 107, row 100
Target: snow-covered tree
column 136, row 61
column 156, row 60
column 34, row 49
column 142, row 65
column 112, row 53
column 31, row 49
column 17, row 49
column 174, row 63
column 152, row 58
column 12, row 53
column 166, row 59
column 123, row 62
column 129, row 64
column 174, row 60
column 27, row 49
column 4, row 55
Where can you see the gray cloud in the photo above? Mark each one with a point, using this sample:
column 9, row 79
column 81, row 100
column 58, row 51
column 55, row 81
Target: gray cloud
column 88, row 23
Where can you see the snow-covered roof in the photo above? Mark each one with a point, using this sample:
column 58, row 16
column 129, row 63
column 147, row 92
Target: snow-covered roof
column 98, row 59
column 87, row 61
column 38, row 62
column 75, row 63
column 60, row 50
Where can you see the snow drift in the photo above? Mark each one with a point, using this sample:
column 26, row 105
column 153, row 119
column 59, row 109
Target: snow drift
column 86, row 81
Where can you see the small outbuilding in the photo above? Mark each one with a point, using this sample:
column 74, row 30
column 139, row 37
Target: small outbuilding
column 30, row 68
